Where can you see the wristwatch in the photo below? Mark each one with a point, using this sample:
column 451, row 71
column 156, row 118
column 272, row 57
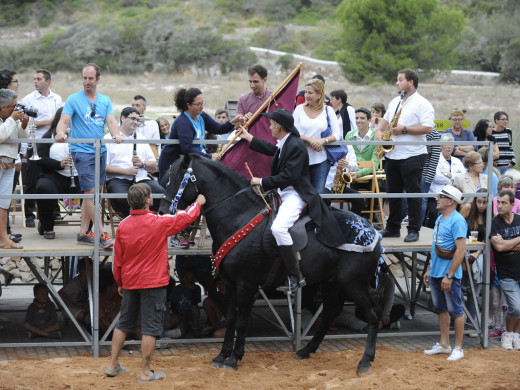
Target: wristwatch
column 144, row 165
column 405, row 131
column 449, row 276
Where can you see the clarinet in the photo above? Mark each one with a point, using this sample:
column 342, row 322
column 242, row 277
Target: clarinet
column 72, row 182
column 135, row 152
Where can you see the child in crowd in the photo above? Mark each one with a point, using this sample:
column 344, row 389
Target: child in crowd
column 184, row 300
column 75, row 293
column 41, row 319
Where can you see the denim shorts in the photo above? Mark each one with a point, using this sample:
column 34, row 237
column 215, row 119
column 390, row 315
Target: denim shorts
column 511, row 289
column 447, row 301
column 85, row 164
column 150, row 303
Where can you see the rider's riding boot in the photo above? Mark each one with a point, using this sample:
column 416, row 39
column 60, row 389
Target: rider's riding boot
column 290, row 260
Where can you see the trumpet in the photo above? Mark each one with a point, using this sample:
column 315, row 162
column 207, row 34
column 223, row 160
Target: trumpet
column 341, row 179
column 387, row 135
column 34, row 147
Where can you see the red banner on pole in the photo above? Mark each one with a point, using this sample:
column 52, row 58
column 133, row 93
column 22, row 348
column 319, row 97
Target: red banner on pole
column 240, row 153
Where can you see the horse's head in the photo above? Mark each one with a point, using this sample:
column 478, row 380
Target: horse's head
column 172, row 181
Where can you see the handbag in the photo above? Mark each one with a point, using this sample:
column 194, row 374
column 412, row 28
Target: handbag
column 334, row 152
column 443, row 253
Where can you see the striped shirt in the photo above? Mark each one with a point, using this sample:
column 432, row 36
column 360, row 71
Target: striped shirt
column 432, row 159
column 504, row 139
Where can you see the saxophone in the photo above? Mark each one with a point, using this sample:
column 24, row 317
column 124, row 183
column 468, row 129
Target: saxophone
column 341, row 179
column 381, row 150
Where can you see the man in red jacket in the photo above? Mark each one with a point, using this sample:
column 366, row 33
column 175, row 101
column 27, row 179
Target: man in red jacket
column 142, row 273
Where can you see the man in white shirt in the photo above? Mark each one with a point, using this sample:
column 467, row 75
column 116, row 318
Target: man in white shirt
column 47, row 103
column 404, row 163
column 148, row 128
column 129, row 163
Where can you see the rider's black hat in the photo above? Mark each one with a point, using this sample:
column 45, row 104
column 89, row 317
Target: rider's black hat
column 285, row 119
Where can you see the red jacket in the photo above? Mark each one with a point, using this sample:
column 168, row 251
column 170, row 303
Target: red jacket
column 141, row 247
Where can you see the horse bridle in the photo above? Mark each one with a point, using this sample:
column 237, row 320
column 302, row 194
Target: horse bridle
column 188, row 177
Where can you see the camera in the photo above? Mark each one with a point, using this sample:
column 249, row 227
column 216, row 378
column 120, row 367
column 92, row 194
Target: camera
column 29, row 111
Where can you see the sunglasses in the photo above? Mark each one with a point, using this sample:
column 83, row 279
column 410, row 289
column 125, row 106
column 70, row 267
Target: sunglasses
column 93, row 111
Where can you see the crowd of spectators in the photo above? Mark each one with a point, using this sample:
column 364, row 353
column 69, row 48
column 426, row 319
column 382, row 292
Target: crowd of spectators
column 409, row 168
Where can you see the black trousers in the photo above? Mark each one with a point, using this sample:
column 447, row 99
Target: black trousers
column 52, row 182
column 404, row 175
column 121, row 206
column 32, row 173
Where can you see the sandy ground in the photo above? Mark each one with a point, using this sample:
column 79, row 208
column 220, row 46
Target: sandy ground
column 480, row 369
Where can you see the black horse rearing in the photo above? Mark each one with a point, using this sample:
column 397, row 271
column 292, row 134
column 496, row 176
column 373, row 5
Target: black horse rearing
column 229, row 207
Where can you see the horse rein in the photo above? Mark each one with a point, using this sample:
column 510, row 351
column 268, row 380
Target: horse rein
column 188, row 177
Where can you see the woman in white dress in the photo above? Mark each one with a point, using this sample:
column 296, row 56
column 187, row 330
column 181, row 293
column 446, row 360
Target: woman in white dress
column 311, row 119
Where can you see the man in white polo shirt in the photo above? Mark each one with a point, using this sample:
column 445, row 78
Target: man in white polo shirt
column 405, row 162
column 129, row 163
column 47, row 103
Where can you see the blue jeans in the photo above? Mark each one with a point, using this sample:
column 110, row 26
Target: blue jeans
column 503, row 169
column 425, row 188
column 511, row 289
column 447, row 301
column 318, row 175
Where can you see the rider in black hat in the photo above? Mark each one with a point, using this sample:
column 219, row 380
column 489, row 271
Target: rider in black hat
column 290, row 174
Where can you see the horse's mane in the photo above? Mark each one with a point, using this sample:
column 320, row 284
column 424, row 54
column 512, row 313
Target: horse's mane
column 222, row 170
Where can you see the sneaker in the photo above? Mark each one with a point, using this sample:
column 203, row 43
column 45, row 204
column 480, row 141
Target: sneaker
column 172, row 333
column 495, row 333
column 105, row 241
column 457, row 354
column 179, row 242
column 29, row 222
column 395, row 325
column 437, row 349
column 516, row 341
column 84, row 239
column 507, row 340
column 55, row 335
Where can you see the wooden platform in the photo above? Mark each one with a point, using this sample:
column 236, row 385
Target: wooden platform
column 65, row 244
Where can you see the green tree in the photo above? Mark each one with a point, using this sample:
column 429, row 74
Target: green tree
column 380, row 37
column 510, row 62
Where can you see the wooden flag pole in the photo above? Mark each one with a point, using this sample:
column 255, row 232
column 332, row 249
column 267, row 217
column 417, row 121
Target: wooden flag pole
column 262, row 107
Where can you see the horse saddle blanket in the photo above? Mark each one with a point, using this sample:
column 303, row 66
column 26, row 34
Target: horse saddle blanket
column 360, row 235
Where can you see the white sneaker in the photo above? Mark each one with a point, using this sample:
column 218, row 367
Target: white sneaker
column 437, row 349
column 516, row 341
column 172, row 333
column 457, row 354
column 507, row 340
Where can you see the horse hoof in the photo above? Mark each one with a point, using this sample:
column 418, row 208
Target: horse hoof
column 233, row 367
column 216, row 364
column 300, row 355
column 364, row 370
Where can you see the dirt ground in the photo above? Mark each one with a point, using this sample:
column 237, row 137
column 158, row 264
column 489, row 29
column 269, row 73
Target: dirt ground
column 481, row 369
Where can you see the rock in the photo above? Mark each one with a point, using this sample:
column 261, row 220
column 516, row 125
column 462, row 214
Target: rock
column 4, row 260
column 40, row 262
column 23, row 267
column 26, row 277
column 10, row 266
column 55, row 264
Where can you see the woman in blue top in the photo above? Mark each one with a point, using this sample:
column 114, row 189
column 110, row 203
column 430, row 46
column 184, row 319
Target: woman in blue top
column 191, row 125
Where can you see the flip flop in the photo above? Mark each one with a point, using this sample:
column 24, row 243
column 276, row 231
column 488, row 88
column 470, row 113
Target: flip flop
column 155, row 377
column 113, row 373
column 11, row 245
